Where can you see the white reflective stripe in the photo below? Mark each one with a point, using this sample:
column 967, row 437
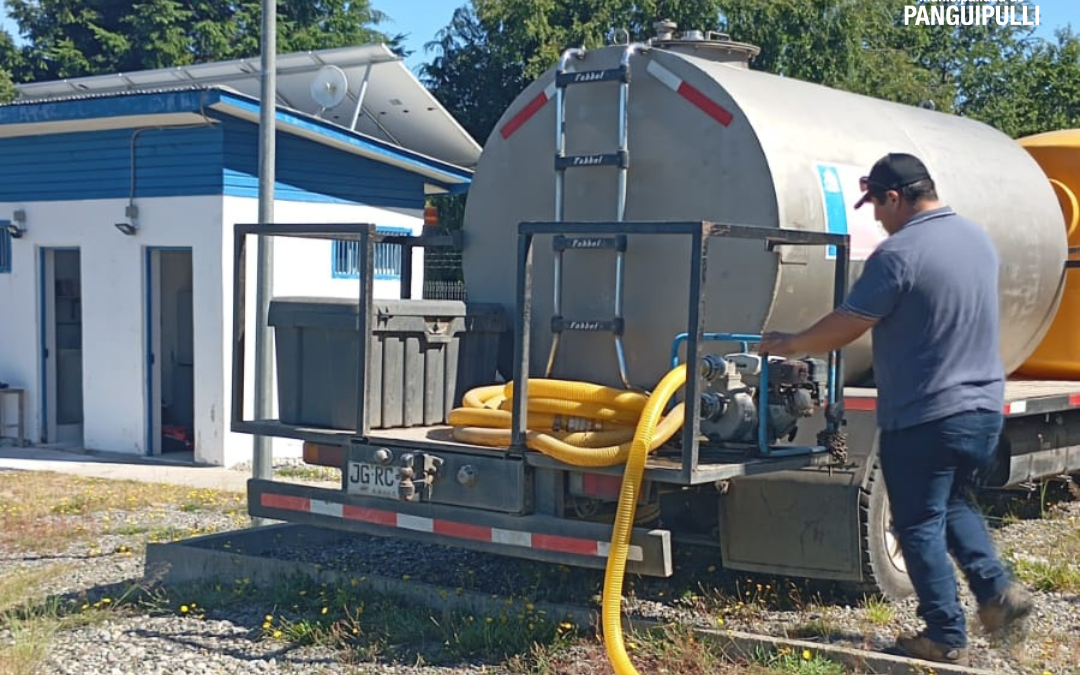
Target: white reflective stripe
column 407, row 522
column 324, row 508
column 1018, row 407
column 634, row 553
column 549, row 91
column 668, row 78
column 511, row 537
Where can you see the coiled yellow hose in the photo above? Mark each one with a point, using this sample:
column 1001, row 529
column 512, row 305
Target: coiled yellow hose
column 585, row 424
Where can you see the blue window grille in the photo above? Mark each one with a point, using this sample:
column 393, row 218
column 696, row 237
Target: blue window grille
column 345, row 256
column 5, row 247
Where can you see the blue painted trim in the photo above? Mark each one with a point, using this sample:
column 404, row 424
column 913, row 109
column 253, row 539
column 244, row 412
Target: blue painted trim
column 337, row 243
column 149, row 322
column 229, row 103
column 148, row 360
column 5, row 247
column 123, row 104
column 333, row 132
column 43, row 426
column 43, row 431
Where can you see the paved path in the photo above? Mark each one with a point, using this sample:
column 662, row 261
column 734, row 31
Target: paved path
column 121, row 467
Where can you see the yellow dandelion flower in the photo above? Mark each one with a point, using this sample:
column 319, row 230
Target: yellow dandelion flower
column 324, row 610
column 269, row 617
column 807, row 655
column 184, row 609
column 277, row 634
column 720, row 621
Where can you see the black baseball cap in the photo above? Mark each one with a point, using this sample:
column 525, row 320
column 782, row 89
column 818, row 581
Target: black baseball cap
column 892, row 172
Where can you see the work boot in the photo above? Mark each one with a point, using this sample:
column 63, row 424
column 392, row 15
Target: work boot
column 921, row 647
column 1006, row 610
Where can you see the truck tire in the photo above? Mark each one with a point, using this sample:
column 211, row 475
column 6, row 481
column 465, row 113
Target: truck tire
column 884, row 570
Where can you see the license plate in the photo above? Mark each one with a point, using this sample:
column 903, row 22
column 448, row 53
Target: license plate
column 372, row 480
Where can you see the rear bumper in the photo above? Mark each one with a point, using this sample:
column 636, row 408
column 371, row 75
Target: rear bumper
column 542, row 538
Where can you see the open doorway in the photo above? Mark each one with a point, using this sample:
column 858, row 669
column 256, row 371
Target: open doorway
column 170, row 354
column 61, row 349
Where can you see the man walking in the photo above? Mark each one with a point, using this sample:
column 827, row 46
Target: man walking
column 930, row 294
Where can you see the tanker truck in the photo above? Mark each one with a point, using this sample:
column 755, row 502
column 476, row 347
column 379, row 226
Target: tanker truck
column 640, row 215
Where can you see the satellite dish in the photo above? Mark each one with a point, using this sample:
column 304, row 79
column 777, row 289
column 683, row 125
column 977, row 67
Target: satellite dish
column 329, row 86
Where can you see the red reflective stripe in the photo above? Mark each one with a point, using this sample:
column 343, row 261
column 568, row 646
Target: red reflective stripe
column 285, row 502
column 1074, row 399
column 377, row 516
column 549, row 542
column 862, row 404
column 710, row 108
column 523, row 116
column 553, row 542
column 462, row 530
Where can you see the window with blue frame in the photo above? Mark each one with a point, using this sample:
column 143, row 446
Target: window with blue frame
column 345, row 257
column 5, row 247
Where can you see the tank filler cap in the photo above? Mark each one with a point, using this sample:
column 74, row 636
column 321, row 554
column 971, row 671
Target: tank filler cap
column 709, row 45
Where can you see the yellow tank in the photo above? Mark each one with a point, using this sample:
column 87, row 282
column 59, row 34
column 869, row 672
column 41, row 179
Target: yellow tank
column 1058, row 355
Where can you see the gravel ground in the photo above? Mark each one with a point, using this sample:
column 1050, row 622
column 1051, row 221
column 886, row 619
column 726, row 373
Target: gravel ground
column 230, row 642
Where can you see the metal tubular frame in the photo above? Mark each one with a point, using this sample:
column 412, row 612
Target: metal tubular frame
column 700, row 233
column 364, row 233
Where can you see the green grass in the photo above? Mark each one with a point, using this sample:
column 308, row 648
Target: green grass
column 878, row 611
column 1061, row 576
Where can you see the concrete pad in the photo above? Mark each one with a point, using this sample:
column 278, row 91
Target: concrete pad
column 229, row 556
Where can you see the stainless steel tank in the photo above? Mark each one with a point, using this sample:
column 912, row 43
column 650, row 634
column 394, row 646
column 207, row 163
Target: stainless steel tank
column 710, row 139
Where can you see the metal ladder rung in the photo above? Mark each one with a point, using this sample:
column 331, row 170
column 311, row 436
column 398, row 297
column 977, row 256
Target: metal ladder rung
column 560, row 324
column 620, row 159
column 620, row 74
column 563, row 243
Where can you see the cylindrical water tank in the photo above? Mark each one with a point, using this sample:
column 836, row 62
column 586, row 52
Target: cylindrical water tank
column 710, row 139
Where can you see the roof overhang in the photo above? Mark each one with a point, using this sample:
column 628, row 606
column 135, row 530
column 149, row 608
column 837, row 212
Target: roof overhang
column 381, row 98
column 198, row 105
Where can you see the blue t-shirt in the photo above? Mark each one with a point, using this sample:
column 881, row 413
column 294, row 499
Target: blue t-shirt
column 933, row 285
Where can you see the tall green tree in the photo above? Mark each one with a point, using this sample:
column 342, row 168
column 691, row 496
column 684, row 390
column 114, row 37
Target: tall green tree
column 9, row 59
column 493, row 48
column 71, row 38
column 1035, row 89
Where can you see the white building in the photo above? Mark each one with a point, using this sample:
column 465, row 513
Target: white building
column 117, row 208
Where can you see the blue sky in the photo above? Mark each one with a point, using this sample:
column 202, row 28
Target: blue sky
column 422, row 19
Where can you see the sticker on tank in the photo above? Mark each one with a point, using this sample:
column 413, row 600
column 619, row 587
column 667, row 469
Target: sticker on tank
column 839, row 191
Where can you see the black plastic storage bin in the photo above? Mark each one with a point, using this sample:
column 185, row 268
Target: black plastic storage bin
column 425, row 354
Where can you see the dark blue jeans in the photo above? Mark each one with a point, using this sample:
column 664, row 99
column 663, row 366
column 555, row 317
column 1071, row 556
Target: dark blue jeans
column 929, row 470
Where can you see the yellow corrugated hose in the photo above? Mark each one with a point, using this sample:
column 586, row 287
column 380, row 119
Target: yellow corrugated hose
column 624, row 519
column 585, row 424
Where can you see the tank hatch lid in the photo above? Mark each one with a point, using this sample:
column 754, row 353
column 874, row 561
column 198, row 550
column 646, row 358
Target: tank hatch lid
column 710, row 45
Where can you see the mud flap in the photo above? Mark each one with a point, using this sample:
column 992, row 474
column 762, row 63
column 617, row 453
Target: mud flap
column 798, row 523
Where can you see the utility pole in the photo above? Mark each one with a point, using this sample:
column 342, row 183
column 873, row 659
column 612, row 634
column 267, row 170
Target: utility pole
column 262, row 460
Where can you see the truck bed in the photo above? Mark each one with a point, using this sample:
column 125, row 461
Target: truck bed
column 1022, row 396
